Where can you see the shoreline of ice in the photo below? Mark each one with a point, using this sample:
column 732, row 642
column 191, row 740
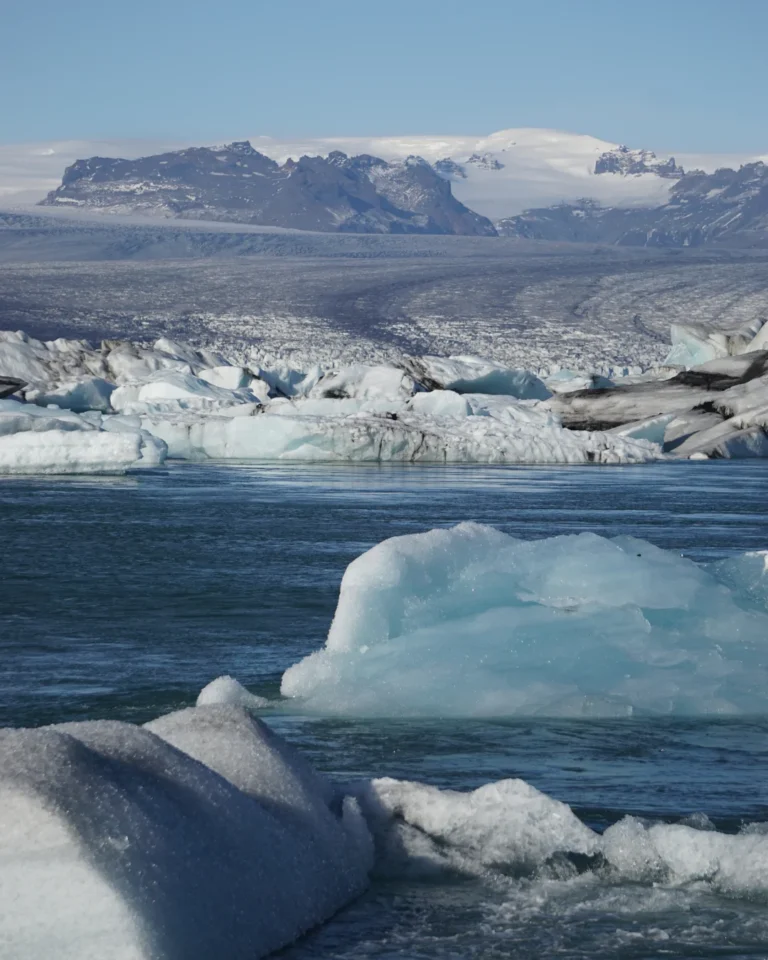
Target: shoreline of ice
column 124, row 406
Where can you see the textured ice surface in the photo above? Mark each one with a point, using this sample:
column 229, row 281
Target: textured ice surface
column 694, row 344
column 476, row 375
column 471, row 622
column 364, row 437
column 365, row 382
column 432, row 409
column 51, row 441
column 227, row 690
column 510, row 829
column 201, row 835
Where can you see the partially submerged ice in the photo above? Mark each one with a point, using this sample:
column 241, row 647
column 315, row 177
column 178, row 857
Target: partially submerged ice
column 37, row 440
column 469, row 621
column 200, row 835
column 204, row 835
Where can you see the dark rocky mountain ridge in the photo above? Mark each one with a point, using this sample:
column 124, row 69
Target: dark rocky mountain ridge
column 236, row 183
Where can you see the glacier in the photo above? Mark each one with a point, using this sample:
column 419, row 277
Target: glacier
column 471, row 622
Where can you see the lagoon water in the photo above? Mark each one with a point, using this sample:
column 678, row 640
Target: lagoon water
column 122, row 597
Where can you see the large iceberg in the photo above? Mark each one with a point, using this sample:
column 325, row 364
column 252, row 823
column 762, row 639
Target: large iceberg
column 200, row 835
column 469, row 621
column 366, row 437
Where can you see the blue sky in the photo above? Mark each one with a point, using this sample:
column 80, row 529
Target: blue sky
column 681, row 74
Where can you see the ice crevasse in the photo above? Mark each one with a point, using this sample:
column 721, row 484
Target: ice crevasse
column 469, row 621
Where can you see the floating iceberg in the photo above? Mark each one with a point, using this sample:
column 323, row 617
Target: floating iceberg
column 204, row 835
column 34, row 440
column 200, row 835
column 509, row 828
column 404, row 437
column 471, row 622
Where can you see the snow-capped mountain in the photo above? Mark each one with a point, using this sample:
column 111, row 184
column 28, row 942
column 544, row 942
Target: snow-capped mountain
column 498, row 175
column 634, row 163
column 726, row 206
column 236, row 183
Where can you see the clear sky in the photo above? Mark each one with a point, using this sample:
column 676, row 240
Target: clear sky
column 686, row 75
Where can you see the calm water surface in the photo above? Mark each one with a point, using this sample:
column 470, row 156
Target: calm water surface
column 122, row 597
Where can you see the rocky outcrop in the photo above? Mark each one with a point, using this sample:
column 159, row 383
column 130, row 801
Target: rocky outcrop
column 630, row 163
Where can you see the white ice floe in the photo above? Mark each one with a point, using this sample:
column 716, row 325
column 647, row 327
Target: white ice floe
column 36, row 440
column 510, row 829
column 471, row 622
column 200, row 835
column 508, row 824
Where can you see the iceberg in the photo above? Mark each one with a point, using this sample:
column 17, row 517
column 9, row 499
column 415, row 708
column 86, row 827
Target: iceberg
column 91, row 393
column 199, row 835
column 510, row 829
column 36, row 440
column 475, row 375
column 694, row 344
column 203, row 834
column 469, row 621
column 364, row 382
column 405, row 437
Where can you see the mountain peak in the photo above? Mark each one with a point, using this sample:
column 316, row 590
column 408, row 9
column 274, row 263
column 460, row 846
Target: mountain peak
column 631, row 163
